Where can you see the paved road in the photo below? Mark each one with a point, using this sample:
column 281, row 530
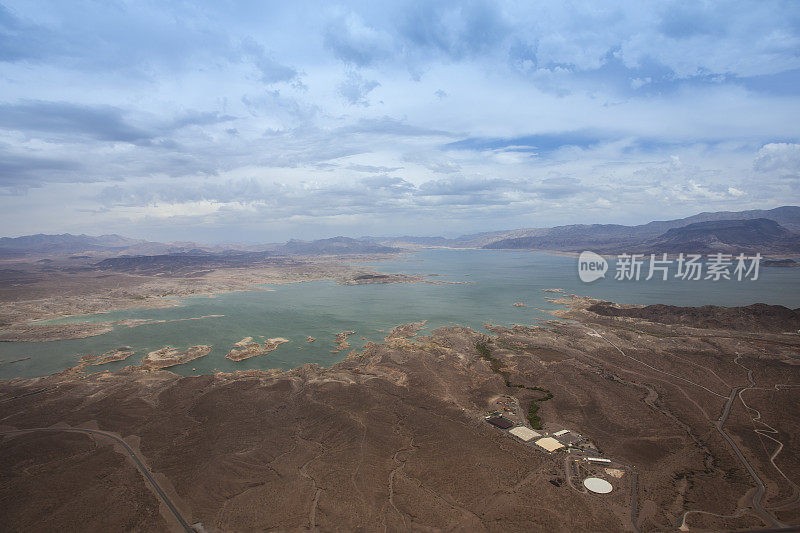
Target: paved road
column 760, row 488
column 139, row 464
column 634, row 492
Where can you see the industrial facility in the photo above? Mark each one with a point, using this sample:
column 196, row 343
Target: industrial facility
column 500, row 421
column 524, row 433
column 549, row 443
column 508, row 419
column 568, row 438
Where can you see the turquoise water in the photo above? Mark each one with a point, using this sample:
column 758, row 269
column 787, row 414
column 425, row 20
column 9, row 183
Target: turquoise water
column 321, row 309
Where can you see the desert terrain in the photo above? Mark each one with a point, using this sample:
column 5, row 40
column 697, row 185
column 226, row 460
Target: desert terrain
column 698, row 423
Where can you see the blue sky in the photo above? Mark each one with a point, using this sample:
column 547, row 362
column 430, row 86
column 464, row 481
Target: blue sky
column 261, row 121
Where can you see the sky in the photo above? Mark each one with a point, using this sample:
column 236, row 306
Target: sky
column 257, row 121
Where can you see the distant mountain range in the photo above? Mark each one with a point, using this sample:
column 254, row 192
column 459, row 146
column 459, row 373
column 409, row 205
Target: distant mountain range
column 589, row 236
column 67, row 244
column 334, row 246
column 106, row 245
column 612, row 236
column 194, row 261
column 774, row 231
column 727, row 236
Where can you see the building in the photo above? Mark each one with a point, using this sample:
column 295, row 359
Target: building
column 500, row 422
column 567, row 438
column 523, row 433
column 549, row 443
column 598, row 460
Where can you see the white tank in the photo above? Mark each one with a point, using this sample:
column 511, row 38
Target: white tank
column 595, row 484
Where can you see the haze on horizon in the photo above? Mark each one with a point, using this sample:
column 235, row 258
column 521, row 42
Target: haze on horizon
column 254, row 121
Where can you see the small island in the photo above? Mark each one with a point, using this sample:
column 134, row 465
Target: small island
column 341, row 341
column 405, row 331
column 169, row 356
column 117, row 354
column 246, row 348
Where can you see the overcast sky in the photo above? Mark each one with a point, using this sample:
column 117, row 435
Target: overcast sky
column 260, row 121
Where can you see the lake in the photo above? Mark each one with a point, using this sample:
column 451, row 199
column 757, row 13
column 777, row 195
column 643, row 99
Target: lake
column 322, row 309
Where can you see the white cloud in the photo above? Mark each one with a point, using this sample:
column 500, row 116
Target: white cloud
column 234, row 115
column 355, row 88
column 781, row 158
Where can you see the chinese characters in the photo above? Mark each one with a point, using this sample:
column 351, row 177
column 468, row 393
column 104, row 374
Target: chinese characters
column 689, row 267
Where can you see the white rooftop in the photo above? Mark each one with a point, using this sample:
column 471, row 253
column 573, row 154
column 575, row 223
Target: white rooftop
column 524, row 433
column 562, row 432
column 549, row 443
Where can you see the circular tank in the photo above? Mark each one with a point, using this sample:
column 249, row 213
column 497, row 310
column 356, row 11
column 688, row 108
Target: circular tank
column 595, row 484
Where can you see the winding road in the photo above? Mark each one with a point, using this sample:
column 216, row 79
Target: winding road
column 718, row 425
column 760, row 488
column 137, row 461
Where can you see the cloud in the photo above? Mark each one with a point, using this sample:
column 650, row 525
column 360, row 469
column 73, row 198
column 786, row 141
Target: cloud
column 354, row 89
column 433, row 161
column 139, row 40
column 459, row 186
column 21, row 40
column 454, row 29
column 745, row 39
column 366, row 195
column 384, row 182
column 270, row 70
column 555, row 188
column 69, row 122
column 372, row 169
column 354, row 42
column 105, row 123
column 503, row 191
column 468, row 113
column 387, row 125
column 21, row 169
column 198, row 118
column 535, row 143
column 780, row 158
column 283, row 109
column 185, row 191
column 684, row 20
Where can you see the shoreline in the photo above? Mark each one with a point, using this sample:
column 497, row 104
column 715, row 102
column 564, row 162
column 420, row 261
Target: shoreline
column 573, row 309
column 18, row 319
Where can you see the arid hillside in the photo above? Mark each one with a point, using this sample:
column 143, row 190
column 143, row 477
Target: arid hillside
column 394, row 438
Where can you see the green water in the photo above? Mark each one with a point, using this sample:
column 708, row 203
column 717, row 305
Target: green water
column 322, row 309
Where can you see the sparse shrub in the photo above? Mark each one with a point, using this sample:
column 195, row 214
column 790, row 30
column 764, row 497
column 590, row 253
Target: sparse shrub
column 533, row 416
